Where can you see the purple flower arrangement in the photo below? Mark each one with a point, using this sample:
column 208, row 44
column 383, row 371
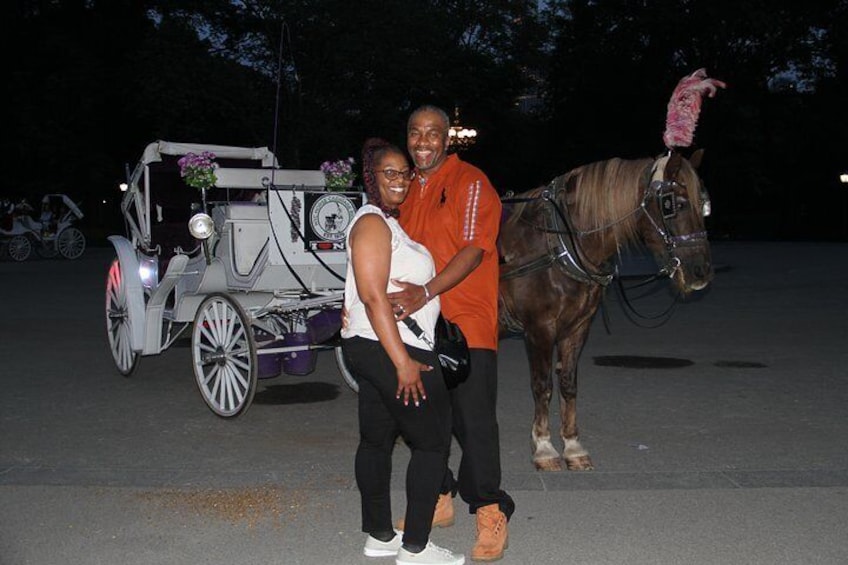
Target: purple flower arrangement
column 339, row 174
column 198, row 170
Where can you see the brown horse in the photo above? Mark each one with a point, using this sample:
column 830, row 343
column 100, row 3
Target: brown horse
column 558, row 243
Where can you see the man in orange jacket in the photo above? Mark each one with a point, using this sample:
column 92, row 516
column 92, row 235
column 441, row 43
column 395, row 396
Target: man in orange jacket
column 455, row 212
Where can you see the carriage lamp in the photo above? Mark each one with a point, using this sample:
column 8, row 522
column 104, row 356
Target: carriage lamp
column 148, row 270
column 201, row 226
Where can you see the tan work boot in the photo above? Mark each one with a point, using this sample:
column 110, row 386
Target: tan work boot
column 442, row 517
column 492, row 534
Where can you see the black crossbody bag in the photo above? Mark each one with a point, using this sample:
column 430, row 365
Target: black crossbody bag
column 451, row 349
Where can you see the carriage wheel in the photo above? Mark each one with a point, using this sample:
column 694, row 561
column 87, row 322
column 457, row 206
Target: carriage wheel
column 118, row 321
column 224, row 356
column 19, row 248
column 70, row 243
column 348, row 378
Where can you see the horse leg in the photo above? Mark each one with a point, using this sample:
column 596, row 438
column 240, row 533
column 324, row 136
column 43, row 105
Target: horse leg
column 539, row 348
column 575, row 456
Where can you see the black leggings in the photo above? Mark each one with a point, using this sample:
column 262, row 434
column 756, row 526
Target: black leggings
column 426, row 429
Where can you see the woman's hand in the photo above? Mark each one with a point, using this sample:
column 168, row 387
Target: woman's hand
column 410, row 383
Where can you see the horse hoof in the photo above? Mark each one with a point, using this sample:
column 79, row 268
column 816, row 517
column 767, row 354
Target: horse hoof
column 547, row 465
column 582, row 463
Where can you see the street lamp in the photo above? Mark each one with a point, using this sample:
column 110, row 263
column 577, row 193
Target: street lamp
column 843, row 178
column 460, row 138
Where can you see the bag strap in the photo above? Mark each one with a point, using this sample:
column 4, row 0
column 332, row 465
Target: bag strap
column 418, row 331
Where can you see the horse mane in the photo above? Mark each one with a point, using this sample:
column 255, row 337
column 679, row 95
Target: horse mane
column 605, row 195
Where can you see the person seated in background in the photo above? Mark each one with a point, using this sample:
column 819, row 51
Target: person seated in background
column 47, row 218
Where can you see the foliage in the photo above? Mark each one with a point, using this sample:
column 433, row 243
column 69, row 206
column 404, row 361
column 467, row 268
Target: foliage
column 92, row 83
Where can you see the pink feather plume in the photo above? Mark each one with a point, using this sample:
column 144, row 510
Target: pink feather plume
column 685, row 105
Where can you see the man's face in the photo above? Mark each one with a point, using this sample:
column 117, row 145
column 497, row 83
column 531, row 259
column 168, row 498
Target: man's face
column 427, row 141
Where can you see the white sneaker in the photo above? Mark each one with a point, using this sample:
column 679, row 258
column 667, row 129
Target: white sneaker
column 377, row 548
column 431, row 555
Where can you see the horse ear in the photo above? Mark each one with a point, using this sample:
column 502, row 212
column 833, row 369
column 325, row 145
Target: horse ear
column 672, row 167
column 696, row 158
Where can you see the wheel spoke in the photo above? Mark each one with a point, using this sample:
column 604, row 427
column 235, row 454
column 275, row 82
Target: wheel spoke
column 226, row 400
column 232, row 340
column 239, row 363
column 217, row 323
column 231, row 322
column 237, row 388
column 205, row 332
column 239, row 377
column 123, row 345
column 215, row 377
column 207, row 377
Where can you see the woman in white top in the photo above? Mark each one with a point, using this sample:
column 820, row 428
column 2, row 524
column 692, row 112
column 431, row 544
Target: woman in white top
column 401, row 389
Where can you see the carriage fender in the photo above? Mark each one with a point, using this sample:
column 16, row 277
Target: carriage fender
column 135, row 292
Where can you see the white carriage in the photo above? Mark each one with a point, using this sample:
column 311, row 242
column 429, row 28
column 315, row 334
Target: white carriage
column 260, row 283
column 52, row 234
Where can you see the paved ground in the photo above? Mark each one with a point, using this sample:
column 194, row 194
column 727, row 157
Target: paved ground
column 718, row 438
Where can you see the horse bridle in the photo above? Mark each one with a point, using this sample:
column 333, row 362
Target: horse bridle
column 569, row 255
column 667, row 205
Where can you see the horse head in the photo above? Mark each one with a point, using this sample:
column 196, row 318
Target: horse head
column 676, row 204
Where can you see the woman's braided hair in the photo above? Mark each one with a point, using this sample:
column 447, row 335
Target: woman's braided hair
column 372, row 153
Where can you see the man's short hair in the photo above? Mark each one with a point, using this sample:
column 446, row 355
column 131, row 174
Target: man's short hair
column 429, row 108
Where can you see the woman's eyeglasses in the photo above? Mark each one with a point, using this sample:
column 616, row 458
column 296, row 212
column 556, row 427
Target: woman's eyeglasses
column 392, row 174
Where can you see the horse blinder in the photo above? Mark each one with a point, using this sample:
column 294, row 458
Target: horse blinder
column 668, row 205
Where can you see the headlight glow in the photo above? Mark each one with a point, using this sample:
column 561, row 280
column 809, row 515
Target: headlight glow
column 148, row 270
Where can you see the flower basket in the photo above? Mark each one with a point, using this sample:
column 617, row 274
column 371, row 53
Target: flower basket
column 339, row 174
column 198, row 171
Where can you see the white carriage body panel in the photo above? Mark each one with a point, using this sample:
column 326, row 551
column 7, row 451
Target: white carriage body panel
column 292, row 239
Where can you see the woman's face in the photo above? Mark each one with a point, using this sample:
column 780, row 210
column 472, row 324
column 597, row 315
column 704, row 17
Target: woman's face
column 393, row 177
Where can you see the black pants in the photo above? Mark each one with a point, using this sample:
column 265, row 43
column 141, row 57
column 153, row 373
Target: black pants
column 475, row 424
column 426, row 428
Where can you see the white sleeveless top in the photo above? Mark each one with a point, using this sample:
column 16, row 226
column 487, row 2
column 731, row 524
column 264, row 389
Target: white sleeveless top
column 411, row 262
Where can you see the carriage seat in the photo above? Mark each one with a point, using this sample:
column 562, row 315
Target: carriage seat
column 244, row 228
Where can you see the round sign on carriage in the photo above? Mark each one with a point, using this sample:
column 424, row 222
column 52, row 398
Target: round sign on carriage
column 329, row 216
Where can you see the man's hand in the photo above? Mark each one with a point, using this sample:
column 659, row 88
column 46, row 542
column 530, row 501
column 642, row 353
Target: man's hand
column 410, row 298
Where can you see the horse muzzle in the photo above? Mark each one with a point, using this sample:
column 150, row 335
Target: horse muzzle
column 690, row 264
